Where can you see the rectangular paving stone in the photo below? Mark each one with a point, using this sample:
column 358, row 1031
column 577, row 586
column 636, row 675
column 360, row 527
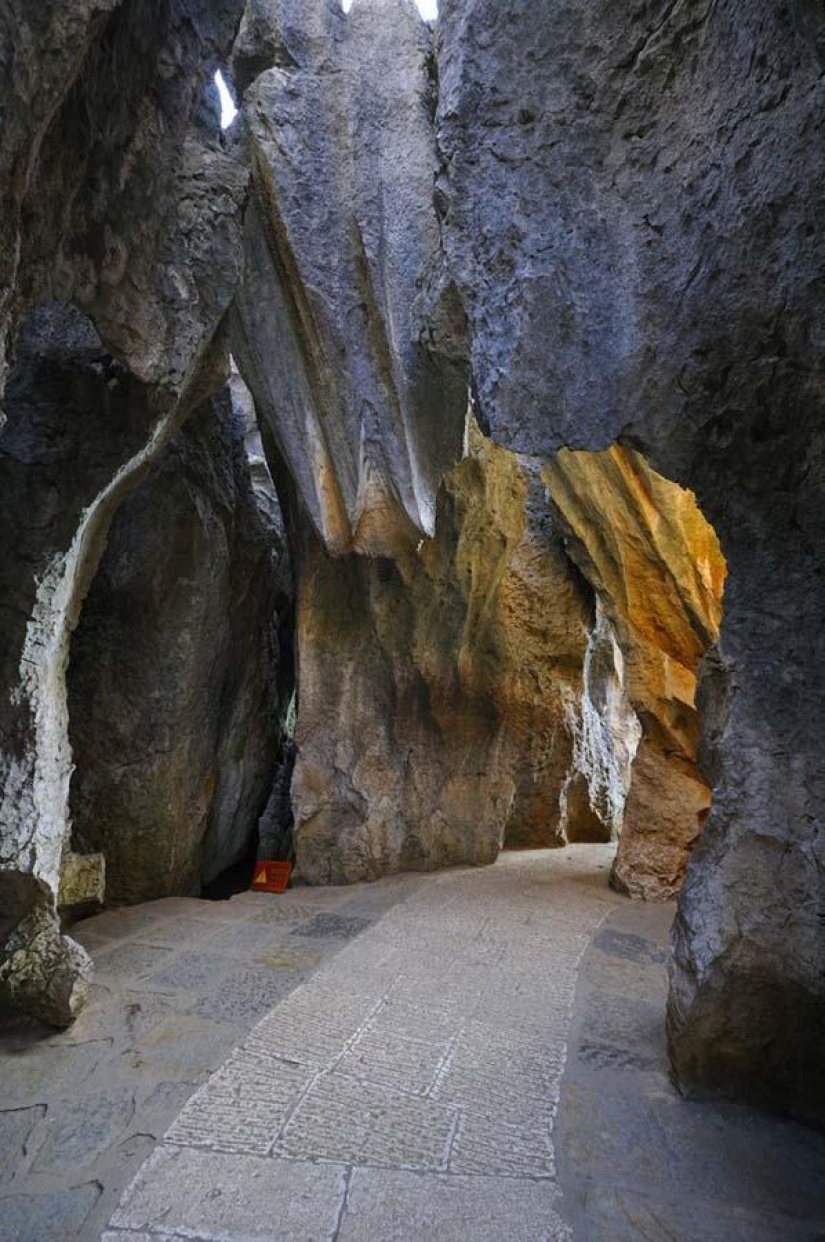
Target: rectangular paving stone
column 421, row 1022
column 128, row 1235
column 242, row 1107
column 277, row 912
column 487, row 1145
column 220, row 1196
column 333, row 926
column 458, row 997
column 393, row 1061
column 312, row 1026
column 502, row 1075
column 360, row 1123
column 244, row 995
column 391, row 1206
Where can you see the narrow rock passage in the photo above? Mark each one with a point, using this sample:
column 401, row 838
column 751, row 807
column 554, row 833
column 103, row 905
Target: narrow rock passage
column 484, row 1063
column 409, row 1089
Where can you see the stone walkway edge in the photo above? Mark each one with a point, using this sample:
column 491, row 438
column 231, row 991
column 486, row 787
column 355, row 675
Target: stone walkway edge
column 408, row 1089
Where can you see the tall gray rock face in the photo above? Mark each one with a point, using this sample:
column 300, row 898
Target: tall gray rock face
column 173, row 696
column 634, row 220
column 339, row 233
column 120, row 196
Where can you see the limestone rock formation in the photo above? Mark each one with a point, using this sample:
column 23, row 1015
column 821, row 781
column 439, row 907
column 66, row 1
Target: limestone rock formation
column 453, row 696
column 120, row 196
column 173, row 696
column 634, row 221
column 339, row 233
column 658, row 570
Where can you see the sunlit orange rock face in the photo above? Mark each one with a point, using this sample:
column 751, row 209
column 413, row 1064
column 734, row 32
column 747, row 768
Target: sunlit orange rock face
column 448, row 696
column 657, row 567
column 526, row 677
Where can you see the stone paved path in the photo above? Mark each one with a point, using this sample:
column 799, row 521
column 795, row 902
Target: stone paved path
column 637, row 1161
column 408, row 1090
column 178, row 984
column 476, row 1056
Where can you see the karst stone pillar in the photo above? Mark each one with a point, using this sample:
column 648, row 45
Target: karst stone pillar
column 634, row 223
column 122, row 199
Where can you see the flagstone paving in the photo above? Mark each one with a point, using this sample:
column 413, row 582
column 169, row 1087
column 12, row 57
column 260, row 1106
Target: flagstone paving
column 178, row 984
column 476, row 1056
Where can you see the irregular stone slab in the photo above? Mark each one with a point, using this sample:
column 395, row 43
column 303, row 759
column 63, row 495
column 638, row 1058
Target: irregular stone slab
column 381, row 1204
column 633, row 1155
column 618, row 1215
column 60, row 1213
column 32, row 1076
column 76, row 1133
column 16, row 1127
column 217, row 1194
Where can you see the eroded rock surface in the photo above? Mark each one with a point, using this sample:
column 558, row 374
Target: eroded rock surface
column 173, row 697
column 459, row 695
column 121, row 197
column 339, row 233
column 657, row 568
column 634, row 219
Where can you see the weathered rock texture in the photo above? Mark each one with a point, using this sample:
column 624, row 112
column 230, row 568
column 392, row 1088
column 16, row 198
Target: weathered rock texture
column 657, row 568
column 462, row 692
column 482, row 690
column 339, row 232
column 120, row 196
column 173, row 698
column 635, row 224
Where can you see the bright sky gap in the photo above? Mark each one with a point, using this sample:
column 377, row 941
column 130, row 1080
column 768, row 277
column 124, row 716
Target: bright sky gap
column 228, row 109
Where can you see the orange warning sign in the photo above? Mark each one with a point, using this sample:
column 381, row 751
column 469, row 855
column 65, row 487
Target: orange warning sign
column 271, row 877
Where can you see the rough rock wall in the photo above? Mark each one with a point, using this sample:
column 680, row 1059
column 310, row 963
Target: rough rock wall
column 455, row 696
column 174, row 709
column 635, row 223
column 658, row 570
column 120, row 196
column 339, row 233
